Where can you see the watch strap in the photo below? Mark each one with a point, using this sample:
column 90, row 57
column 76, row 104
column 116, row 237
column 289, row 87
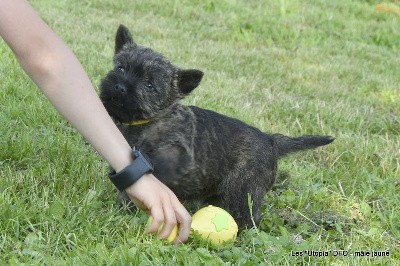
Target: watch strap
column 130, row 174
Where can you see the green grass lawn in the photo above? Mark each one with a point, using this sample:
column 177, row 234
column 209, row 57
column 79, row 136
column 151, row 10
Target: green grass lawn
column 285, row 66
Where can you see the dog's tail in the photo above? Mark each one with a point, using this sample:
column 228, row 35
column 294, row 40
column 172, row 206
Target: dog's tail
column 288, row 145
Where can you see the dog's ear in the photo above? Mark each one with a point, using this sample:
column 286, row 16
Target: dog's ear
column 188, row 80
column 123, row 37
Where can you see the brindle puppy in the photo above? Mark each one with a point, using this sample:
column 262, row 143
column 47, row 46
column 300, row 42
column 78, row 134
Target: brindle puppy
column 198, row 153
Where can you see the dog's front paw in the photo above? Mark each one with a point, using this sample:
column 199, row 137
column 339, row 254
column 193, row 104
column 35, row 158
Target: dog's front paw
column 125, row 202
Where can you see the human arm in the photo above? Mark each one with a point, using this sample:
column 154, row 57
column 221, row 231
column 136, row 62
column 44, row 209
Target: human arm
column 54, row 68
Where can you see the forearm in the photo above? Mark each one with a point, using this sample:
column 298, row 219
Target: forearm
column 68, row 88
column 57, row 72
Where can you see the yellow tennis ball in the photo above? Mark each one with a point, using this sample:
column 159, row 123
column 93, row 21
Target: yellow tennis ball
column 214, row 224
column 173, row 234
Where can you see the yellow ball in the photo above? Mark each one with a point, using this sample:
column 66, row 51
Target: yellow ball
column 173, row 234
column 214, row 224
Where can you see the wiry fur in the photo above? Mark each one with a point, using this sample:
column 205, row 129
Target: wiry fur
column 198, row 153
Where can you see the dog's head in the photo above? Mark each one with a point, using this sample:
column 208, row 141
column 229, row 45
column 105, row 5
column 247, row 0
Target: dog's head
column 143, row 83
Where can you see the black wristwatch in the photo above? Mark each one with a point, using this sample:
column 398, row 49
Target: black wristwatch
column 130, row 174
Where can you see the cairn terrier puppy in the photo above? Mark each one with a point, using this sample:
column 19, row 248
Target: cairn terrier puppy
column 199, row 154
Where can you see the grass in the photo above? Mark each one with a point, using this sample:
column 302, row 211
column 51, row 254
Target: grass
column 287, row 66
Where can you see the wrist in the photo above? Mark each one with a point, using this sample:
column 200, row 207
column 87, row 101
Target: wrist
column 131, row 173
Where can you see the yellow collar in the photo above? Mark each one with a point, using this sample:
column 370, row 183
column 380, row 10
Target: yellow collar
column 137, row 122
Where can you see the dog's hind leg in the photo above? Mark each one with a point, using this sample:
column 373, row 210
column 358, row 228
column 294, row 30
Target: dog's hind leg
column 236, row 192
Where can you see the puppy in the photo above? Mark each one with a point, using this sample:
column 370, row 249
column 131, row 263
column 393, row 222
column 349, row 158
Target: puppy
column 199, row 154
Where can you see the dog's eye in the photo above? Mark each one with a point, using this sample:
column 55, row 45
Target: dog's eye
column 121, row 68
column 149, row 85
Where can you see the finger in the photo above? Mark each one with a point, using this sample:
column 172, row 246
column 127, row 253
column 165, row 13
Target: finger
column 158, row 218
column 182, row 216
column 169, row 218
column 184, row 220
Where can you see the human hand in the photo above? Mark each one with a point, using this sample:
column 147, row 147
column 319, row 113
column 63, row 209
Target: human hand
column 150, row 194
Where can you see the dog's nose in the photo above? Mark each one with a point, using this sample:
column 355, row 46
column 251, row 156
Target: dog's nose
column 120, row 88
